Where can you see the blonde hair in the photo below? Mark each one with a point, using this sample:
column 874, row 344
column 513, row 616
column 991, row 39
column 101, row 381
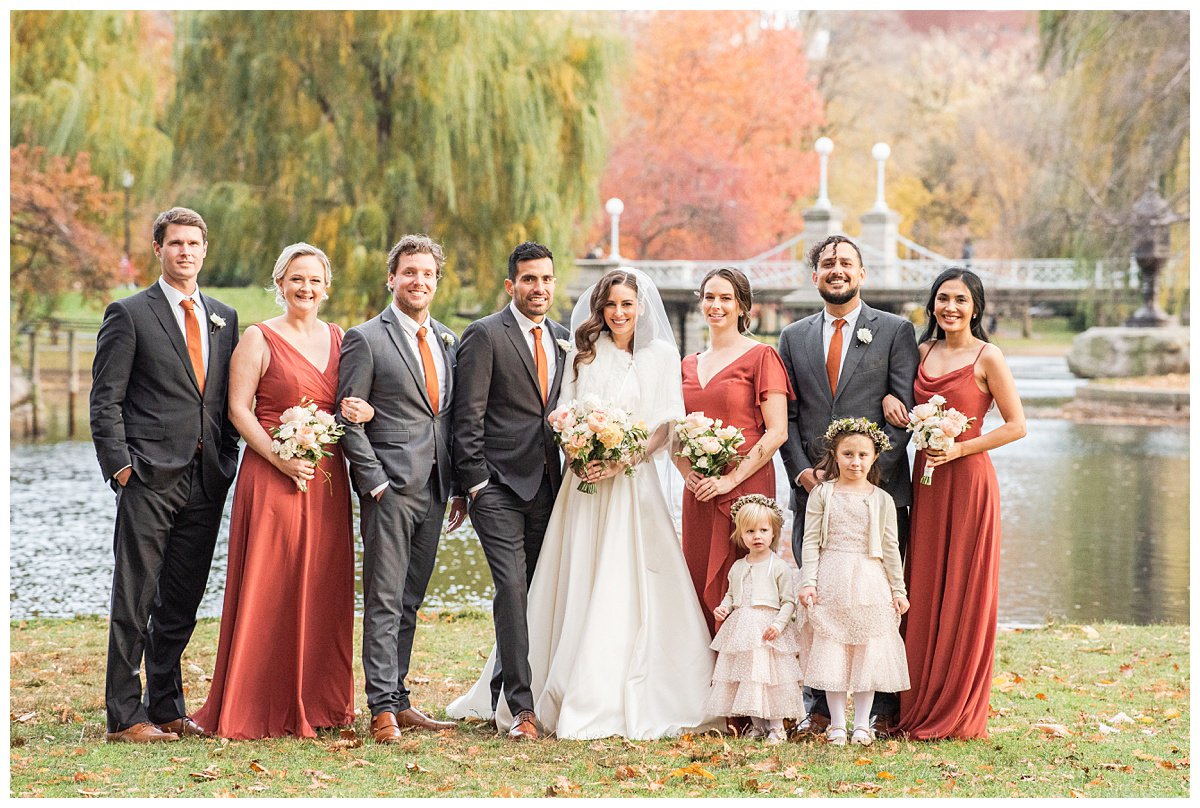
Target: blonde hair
column 291, row 253
column 749, row 515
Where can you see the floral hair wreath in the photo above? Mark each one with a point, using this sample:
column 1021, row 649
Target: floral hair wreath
column 757, row 499
column 863, row 427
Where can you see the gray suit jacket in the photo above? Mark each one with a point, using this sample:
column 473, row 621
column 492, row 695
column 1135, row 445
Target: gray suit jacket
column 146, row 407
column 500, row 429
column 399, row 445
column 888, row 364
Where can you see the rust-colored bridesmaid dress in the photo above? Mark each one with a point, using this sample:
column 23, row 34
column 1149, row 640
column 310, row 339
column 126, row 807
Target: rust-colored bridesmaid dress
column 734, row 394
column 952, row 572
column 284, row 663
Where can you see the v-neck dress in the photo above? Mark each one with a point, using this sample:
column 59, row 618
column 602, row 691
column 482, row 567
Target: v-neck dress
column 284, row 661
column 734, row 394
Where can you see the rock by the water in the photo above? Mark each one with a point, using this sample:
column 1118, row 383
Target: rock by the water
column 1122, row 352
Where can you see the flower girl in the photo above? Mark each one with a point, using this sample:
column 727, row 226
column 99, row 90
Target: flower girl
column 757, row 674
column 852, row 581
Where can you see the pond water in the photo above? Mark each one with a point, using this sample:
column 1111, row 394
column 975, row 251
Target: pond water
column 1095, row 527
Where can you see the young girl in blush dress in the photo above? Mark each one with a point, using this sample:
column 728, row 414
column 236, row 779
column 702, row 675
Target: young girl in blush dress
column 852, row 582
column 756, row 673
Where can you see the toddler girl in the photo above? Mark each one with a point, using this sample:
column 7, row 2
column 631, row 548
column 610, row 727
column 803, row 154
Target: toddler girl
column 852, row 581
column 757, row 674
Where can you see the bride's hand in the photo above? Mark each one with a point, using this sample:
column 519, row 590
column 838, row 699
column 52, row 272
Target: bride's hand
column 597, row 470
column 711, row 487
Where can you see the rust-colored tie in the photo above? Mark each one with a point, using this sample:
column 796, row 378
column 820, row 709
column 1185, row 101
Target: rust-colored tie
column 431, row 380
column 191, row 328
column 539, row 361
column 833, row 360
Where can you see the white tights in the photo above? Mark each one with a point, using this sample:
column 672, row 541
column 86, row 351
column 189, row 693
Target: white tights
column 767, row 724
column 862, row 708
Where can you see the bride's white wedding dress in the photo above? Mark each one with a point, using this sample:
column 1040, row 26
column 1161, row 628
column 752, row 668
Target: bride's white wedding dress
column 617, row 642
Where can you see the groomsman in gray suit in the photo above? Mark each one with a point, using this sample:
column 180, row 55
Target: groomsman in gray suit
column 166, row 446
column 511, row 364
column 402, row 362
column 846, row 361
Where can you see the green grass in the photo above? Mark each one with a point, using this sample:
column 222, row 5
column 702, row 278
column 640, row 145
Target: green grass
column 1060, row 676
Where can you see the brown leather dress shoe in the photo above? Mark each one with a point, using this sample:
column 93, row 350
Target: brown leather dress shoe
column 185, row 727
column 144, row 732
column 524, row 728
column 384, row 728
column 412, row 717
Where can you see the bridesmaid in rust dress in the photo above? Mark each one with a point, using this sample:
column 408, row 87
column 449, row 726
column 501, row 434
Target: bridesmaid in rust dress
column 954, row 547
column 743, row 383
column 284, row 663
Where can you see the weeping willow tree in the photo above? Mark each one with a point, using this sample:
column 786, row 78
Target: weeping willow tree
column 1121, row 83
column 91, row 82
column 348, row 129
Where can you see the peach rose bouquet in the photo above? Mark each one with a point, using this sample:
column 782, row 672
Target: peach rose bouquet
column 589, row 430
column 707, row 444
column 935, row 426
column 304, row 431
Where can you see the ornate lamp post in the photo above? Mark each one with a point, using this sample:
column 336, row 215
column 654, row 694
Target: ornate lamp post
column 127, row 184
column 1152, row 218
column 824, row 147
column 614, row 207
column 881, row 152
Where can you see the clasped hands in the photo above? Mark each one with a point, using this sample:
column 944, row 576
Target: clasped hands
column 705, row 488
column 598, row 470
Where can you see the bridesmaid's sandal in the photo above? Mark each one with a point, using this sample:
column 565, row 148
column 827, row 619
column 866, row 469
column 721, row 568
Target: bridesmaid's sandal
column 862, row 737
column 835, row 736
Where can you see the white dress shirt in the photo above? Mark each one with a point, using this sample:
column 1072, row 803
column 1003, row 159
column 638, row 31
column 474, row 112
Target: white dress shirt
column 174, row 297
column 851, row 319
column 525, row 324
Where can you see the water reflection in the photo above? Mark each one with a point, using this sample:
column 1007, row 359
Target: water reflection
column 1095, row 527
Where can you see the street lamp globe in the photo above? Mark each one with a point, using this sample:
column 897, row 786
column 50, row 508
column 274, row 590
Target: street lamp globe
column 127, row 179
column 824, row 146
column 614, row 207
column 881, row 151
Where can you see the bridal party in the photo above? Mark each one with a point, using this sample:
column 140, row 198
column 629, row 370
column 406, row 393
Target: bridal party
column 561, row 442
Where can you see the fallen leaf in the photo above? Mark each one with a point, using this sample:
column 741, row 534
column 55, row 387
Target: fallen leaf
column 1076, row 793
column 255, row 766
column 413, row 766
column 627, row 772
column 1041, row 696
column 1167, row 764
column 1056, row 730
column 757, row 787
column 1121, row 718
column 344, row 743
column 194, row 668
column 886, row 776
column 863, row 761
column 1140, row 755
column 562, row 787
column 1145, row 719
column 1090, row 632
column 1105, row 683
column 25, row 718
column 210, row 773
column 1121, row 767
column 1106, row 729
column 654, row 785
column 771, row 764
column 1170, row 713
column 694, row 769
column 504, row 791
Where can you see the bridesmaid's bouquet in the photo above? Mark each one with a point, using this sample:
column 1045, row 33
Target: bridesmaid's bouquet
column 590, row 430
column 304, row 431
column 935, row 426
column 707, row 444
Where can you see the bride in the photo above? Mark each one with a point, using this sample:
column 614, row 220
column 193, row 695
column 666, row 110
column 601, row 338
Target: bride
column 617, row 642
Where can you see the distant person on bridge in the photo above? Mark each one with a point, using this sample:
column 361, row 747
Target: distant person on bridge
column 846, row 361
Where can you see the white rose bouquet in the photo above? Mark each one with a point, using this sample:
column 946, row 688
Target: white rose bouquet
column 303, row 432
column 935, row 426
column 708, row 445
column 590, row 430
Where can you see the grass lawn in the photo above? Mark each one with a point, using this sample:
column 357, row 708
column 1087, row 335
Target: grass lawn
column 1077, row 711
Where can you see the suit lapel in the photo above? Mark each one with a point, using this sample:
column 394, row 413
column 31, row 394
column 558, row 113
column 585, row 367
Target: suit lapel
column 215, row 338
column 866, row 318
column 400, row 340
column 517, row 337
column 560, row 363
column 162, row 310
column 814, row 348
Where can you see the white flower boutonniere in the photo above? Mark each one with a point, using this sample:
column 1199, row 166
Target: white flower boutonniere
column 217, row 321
column 864, row 336
column 565, row 344
column 448, row 340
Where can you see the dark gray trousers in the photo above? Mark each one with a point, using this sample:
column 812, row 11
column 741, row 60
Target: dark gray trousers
column 162, row 547
column 511, row 531
column 400, row 540
column 887, row 704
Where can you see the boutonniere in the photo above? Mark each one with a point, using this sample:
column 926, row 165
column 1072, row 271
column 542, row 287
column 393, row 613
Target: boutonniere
column 217, row 321
column 864, row 336
column 448, row 340
column 565, row 344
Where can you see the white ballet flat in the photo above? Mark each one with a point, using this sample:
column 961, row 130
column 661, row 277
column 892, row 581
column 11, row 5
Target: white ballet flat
column 862, row 737
column 835, row 736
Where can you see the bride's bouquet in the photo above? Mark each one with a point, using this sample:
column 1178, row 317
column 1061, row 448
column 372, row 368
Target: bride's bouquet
column 707, row 444
column 935, row 426
column 304, row 431
column 589, row 430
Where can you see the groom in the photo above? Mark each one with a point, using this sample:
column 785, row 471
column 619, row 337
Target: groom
column 511, row 365
column 846, row 361
column 166, row 446
column 402, row 362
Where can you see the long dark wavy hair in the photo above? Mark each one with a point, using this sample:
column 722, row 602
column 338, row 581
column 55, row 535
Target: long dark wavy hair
column 586, row 334
column 978, row 304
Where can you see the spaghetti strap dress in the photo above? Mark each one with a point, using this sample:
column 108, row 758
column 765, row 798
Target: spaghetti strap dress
column 284, row 662
column 952, row 572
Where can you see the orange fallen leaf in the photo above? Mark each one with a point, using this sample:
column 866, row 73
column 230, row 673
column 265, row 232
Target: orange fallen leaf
column 255, row 766
column 504, row 791
column 1170, row 713
column 886, row 776
column 1055, row 730
column 1041, row 696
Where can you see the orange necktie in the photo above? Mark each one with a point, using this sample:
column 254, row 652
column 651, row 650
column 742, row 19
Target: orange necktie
column 431, row 381
column 539, row 361
column 833, row 360
column 191, row 328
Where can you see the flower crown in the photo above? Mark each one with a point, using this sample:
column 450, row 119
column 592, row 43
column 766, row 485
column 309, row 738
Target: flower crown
column 757, row 499
column 863, row 427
